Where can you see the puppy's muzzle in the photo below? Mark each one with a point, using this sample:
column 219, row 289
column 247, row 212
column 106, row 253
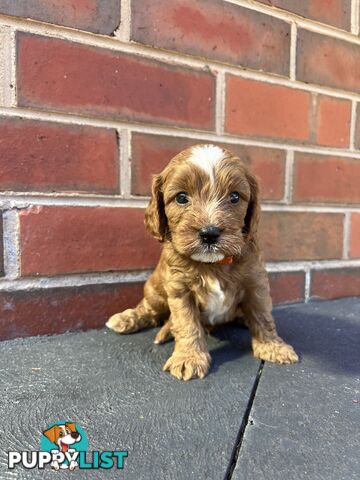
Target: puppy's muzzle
column 210, row 234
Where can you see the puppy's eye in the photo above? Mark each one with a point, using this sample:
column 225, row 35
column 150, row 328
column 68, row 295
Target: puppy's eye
column 234, row 197
column 181, row 198
column 61, row 434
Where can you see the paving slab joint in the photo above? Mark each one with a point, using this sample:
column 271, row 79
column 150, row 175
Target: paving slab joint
column 244, row 424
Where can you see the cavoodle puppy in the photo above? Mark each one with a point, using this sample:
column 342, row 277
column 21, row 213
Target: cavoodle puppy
column 205, row 210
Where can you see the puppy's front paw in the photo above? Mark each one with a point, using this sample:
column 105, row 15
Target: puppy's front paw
column 125, row 322
column 73, row 465
column 276, row 352
column 185, row 366
column 55, row 465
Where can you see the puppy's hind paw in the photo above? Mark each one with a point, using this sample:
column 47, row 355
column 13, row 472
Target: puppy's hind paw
column 276, row 352
column 125, row 322
column 185, row 366
column 163, row 335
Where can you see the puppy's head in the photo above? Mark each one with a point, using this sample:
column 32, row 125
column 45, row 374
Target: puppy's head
column 63, row 435
column 206, row 203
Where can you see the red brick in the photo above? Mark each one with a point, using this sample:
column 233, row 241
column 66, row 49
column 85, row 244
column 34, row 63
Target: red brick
column 355, row 235
column 324, row 178
column 335, row 283
column 46, row 157
column 287, row 287
column 57, row 240
column 57, row 310
column 265, row 110
column 333, row 122
column 93, row 15
column 357, row 128
column 328, row 61
column 214, row 29
column 64, row 76
column 150, row 154
column 333, row 12
column 301, row 236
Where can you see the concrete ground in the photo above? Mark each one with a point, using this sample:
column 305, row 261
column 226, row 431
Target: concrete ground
column 246, row 420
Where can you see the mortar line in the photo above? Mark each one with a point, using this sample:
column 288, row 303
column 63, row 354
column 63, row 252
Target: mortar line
column 220, row 103
column 307, row 285
column 123, row 277
column 11, row 244
column 13, row 68
column 293, row 46
column 155, row 129
column 297, row 265
column 289, row 172
column 346, row 237
column 22, row 200
column 123, row 32
column 313, row 117
column 73, row 280
column 355, row 17
column 7, row 80
column 311, row 208
column 125, row 155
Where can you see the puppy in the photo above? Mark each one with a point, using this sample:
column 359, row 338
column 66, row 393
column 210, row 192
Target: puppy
column 205, row 210
column 63, row 436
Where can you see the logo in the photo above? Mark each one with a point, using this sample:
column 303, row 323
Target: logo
column 64, row 445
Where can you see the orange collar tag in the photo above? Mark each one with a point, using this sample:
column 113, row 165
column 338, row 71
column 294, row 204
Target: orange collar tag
column 225, row 261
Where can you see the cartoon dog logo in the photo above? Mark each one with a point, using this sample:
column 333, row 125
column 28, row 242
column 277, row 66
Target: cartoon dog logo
column 63, row 436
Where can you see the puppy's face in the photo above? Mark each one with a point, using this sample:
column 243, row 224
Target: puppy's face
column 205, row 203
column 63, row 435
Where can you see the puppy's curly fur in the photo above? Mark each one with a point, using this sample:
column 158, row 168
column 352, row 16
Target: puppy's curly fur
column 201, row 281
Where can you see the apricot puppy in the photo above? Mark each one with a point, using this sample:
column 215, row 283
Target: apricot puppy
column 205, row 210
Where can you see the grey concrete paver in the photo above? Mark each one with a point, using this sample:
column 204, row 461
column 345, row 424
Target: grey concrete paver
column 305, row 419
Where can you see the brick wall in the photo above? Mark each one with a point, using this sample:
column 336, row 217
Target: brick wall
column 97, row 95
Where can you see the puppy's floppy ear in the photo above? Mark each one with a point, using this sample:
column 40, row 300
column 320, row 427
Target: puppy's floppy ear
column 71, row 426
column 252, row 216
column 155, row 218
column 51, row 433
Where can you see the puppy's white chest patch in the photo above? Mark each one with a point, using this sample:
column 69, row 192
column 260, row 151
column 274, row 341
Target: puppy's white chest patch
column 217, row 305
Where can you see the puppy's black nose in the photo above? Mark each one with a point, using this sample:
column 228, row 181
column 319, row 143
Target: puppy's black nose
column 75, row 435
column 210, row 234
